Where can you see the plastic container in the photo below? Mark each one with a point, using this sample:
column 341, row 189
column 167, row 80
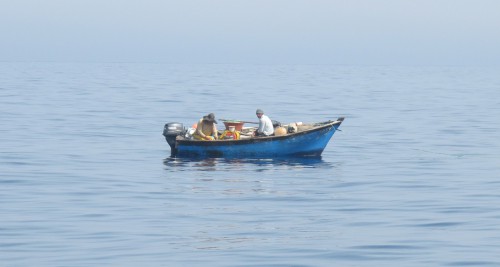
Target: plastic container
column 238, row 125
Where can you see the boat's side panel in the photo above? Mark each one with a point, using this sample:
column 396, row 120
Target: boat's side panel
column 311, row 144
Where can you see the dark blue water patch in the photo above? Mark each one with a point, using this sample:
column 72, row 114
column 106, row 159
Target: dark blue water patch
column 366, row 224
column 14, row 181
column 13, row 245
column 361, row 256
column 169, row 101
column 439, row 224
column 355, row 184
column 453, row 131
column 473, row 263
column 414, row 186
column 123, row 87
column 388, row 247
column 270, row 264
column 493, row 196
column 341, row 209
column 22, row 227
column 18, row 163
column 207, row 94
column 93, row 215
column 462, row 210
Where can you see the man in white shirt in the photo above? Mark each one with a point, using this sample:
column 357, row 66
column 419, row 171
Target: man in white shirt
column 265, row 124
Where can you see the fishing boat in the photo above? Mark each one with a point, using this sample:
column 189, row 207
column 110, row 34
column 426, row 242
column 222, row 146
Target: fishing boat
column 302, row 140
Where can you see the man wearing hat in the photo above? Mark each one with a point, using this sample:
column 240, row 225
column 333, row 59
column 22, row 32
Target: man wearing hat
column 206, row 128
column 265, row 124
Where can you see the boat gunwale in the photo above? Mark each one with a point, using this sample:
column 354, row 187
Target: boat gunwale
column 258, row 139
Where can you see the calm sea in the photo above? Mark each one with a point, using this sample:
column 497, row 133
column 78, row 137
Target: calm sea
column 86, row 178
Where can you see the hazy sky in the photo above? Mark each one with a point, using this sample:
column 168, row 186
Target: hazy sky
column 354, row 32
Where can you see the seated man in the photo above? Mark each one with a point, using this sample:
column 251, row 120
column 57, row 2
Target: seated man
column 265, row 124
column 206, row 128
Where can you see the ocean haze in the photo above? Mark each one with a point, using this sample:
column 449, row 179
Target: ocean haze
column 264, row 32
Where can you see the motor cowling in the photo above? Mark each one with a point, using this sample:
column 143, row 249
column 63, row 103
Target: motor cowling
column 171, row 131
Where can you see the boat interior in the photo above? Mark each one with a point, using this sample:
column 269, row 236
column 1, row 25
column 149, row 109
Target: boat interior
column 279, row 130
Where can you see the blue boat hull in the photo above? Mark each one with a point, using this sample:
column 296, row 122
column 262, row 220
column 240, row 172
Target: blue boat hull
column 307, row 143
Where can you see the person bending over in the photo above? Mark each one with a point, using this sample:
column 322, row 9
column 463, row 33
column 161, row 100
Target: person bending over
column 206, row 128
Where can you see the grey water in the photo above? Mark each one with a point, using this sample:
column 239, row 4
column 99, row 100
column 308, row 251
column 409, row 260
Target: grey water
column 86, row 177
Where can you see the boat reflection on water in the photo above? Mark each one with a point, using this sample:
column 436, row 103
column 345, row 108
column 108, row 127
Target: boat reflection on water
column 213, row 164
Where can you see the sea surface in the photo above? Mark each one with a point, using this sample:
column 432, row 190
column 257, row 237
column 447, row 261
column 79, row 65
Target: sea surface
column 86, row 177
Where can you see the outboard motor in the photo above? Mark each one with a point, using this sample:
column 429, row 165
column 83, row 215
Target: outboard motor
column 171, row 131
